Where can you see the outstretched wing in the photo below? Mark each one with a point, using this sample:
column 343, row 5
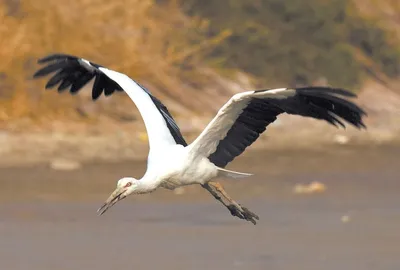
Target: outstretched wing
column 246, row 115
column 74, row 73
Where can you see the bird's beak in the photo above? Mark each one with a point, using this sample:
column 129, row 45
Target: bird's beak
column 115, row 197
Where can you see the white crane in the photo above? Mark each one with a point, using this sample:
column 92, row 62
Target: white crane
column 171, row 161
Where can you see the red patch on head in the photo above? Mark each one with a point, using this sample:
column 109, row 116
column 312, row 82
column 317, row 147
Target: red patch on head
column 128, row 184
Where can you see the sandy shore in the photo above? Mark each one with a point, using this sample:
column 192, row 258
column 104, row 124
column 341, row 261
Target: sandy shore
column 25, row 141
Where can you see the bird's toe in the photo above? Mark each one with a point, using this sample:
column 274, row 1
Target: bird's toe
column 250, row 216
column 248, row 213
column 235, row 211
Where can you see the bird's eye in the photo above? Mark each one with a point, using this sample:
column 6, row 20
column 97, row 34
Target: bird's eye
column 128, row 184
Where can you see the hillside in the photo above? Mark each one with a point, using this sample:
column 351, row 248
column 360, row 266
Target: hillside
column 193, row 55
column 302, row 42
column 157, row 45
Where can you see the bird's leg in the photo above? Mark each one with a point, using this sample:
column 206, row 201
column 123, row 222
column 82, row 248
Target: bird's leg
column 235, row 208
column 215, row 194
column 232, row 209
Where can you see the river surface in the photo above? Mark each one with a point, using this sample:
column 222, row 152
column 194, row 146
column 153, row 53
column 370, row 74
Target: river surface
column 48, row 218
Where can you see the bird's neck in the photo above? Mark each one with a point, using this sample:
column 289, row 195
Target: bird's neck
column 147, row 184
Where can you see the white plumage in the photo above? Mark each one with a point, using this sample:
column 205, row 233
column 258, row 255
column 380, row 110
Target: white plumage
column 171, row 161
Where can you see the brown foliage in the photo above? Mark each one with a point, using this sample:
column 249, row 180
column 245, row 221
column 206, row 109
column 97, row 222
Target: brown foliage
column 384, row 12
column 137, row 37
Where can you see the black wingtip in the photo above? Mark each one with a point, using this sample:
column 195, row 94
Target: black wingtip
column 39, row 73
column 56, row 56
column 50, row 69
column 361, row 125
column 327, row 89
column 330, row 103
column 36, row 75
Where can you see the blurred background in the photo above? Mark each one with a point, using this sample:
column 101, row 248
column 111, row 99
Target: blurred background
column 326, row 197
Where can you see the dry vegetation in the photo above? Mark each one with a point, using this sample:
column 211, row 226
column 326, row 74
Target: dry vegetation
column 152, row 41
column 384, row 12
column 158, row 44
column 165, row 50
column 386, row 15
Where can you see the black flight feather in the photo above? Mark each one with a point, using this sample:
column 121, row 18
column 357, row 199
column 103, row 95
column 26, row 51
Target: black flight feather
column 317, row 102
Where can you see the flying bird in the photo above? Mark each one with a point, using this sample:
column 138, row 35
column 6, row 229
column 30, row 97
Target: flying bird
column 172, row 162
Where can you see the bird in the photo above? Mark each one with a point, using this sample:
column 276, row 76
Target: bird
column 172, row 162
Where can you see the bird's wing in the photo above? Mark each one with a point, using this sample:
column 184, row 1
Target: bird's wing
column 246, row 115
column 74, row 73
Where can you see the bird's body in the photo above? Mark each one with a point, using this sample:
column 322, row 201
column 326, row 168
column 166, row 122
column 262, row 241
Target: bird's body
column 169, row 165
column 172, row 162
column 181, row 169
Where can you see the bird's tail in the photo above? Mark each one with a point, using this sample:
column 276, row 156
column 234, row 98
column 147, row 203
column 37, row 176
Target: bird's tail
column 232, row 174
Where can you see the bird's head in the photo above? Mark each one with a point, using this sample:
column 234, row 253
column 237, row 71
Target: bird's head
column 125, row 187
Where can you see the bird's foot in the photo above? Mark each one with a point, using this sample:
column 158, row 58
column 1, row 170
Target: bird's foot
column 236, row 209
column 243, row 213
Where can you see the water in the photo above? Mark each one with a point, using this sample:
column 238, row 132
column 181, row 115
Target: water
column 46, row 226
